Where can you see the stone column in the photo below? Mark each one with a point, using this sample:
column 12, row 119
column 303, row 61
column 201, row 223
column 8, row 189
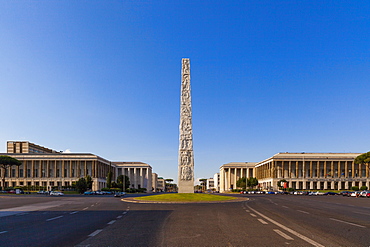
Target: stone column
column 186, row 155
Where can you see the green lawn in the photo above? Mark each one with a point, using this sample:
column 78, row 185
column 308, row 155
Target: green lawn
column 185, row 197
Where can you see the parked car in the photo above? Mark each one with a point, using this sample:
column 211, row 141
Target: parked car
column 364, row 193
column 344, row 193
column 88, row 193
column 56, row 193
column 355, row 194
column 330, row 193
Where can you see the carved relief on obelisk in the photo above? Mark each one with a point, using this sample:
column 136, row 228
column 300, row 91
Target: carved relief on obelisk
column 186, row 159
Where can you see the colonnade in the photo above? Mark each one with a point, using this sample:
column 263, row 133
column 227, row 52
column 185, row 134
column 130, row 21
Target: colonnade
column 140, row 177
column 230, row 175
column 57, row 172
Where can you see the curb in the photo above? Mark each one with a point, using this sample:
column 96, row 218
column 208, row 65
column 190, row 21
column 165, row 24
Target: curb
column 133, row 200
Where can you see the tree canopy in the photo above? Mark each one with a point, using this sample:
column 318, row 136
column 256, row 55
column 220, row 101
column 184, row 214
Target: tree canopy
column 6, row 162
column 241, row 183
column 363, row 158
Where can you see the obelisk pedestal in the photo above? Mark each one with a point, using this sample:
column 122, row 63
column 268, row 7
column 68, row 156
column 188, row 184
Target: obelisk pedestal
column 186, row 158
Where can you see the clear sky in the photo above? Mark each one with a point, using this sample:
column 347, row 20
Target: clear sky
column 104, row 77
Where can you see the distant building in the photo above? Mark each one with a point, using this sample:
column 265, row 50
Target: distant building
column 140, row 174
column 154, row 182
column 216, row 179
column 161, row 185
column 210, row 184
column 230, row 173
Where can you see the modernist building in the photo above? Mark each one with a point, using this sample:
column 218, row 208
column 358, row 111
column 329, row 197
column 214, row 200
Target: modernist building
column 140, row 174
column 230, row 173
column 49, row 168
column 312, row 171
column 216, row 179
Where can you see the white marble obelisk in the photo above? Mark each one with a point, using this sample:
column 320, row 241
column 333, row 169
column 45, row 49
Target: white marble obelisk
column 186, row 158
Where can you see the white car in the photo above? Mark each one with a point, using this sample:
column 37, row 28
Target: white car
column 56, row 193
column 355, row 194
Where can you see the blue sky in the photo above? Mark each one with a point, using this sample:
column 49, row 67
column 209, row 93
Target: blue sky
column 103, row 77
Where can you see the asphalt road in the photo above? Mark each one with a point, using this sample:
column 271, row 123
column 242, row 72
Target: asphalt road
column 263, row 220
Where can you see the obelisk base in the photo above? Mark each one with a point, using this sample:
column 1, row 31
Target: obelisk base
column 186, row 187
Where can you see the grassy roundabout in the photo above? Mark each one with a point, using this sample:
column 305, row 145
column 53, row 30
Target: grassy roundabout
column 185, row 197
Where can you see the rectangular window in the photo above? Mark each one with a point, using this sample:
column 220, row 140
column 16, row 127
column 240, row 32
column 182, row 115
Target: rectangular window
column 20, row 173
column 13, row 173
column 28, row 173
column 36, row 173
column 57, row 172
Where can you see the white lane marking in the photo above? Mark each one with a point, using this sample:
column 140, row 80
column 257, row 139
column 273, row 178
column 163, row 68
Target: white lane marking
column 75, row 212
column 119, row 217
column 349, row 223
column 92, row 205
column 262, row 221
column 314, row 243
column 285, row 207
column 95, row 233
column 283, row 234
column 303, row 211
column 111, row 222
column 3, row 232
column 54, row 218
column 124, row 213
column 85, row 208
column 361, row 213
column 247, row 211
column 253, row 215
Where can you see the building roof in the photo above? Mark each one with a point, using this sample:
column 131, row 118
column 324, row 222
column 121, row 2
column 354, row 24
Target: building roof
column 239, row 165
column 310, row 156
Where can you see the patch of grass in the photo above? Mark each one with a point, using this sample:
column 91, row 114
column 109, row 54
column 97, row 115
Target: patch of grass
column 185, row 197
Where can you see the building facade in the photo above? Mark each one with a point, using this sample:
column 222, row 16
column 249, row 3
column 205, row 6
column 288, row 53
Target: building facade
column 312, row 171
column 140, row 174
column 230, row 173
column 52, row 169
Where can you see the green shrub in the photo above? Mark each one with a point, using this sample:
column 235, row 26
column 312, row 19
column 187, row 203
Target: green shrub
column 363, row 188
column 354, row 188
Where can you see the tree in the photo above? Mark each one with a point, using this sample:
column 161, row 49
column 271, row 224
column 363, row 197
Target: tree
column 109, row 179
column 251, row 182
column 5, row 163
column 123, row 179
column 203, row 183
column 81, row 185
column 241, row 183
column 363, row 159
column 89, row 182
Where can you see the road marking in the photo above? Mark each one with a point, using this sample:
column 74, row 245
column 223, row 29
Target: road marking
column 247, row 211
column 314, row 243
column 361, row 213
column 54, row 218
column 85, row 208
column 75, row 212
column 283, row 234
column 3, row 232
column 124, row 213
column 92, row 205
column 95, row 233
column 119, row 217
column 303, row 212
column 285, row 207
column 253, row 215
column 111, row 222
column 349, row 223
column 262, row 221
